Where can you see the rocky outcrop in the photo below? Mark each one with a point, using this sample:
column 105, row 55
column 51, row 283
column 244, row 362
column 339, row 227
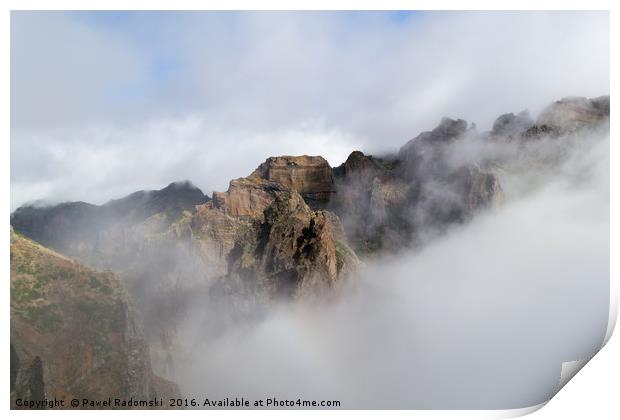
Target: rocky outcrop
column 447, row 130
column 73, row 333
column 510, row 124
column 214, row 233
column 389, row 203
column 281, row 190
column 270, row 236
column 273, row 242
column 246, row 197
column 371, row 200
column 424, row 156
column 567, row 116
column 293, row 251
column 574, row 113
column 483, row 188
column 310, row 176
column 359, row 167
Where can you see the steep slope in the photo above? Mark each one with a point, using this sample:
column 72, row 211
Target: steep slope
column 293, row 251
column 73, row 333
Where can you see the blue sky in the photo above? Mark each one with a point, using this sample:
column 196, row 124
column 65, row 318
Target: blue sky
column 164, row 62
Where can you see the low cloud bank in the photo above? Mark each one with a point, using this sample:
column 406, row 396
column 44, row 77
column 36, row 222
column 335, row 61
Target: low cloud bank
column 482, row 317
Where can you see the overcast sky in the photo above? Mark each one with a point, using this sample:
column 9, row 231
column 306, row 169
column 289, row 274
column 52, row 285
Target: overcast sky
column 106, row 103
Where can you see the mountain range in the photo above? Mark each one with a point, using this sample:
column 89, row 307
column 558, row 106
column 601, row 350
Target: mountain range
column 295, row 228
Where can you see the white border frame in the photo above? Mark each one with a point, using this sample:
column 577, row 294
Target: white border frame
column 599, row 383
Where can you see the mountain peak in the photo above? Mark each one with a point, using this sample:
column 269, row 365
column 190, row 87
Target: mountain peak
column 447, row 130
column 510, row 123
column 181, row 185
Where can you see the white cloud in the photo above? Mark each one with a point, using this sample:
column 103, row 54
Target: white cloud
column 117, row 161
column 481, row 319
column 372, row 84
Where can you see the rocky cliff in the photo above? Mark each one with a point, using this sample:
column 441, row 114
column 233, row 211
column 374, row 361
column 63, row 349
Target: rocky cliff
column 388, row 203
column 310, row 176
column 270, row 238
column 73, row 332
column 292, row 251
column 295, row 227
column 573, row 113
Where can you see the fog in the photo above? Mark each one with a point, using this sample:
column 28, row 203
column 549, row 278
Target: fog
column 482, row 317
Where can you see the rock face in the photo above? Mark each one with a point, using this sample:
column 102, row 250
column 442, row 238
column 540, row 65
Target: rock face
column 73, row 333
column 511, row 124
column 372, row 202
column 273, row 242
column 570, row 114
column 246, row 196
column 293, row 251
column 310, row 176
column 424, row 157
column 388, row 203
column 214, row 231
column 483, row 188
column 359, row 167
